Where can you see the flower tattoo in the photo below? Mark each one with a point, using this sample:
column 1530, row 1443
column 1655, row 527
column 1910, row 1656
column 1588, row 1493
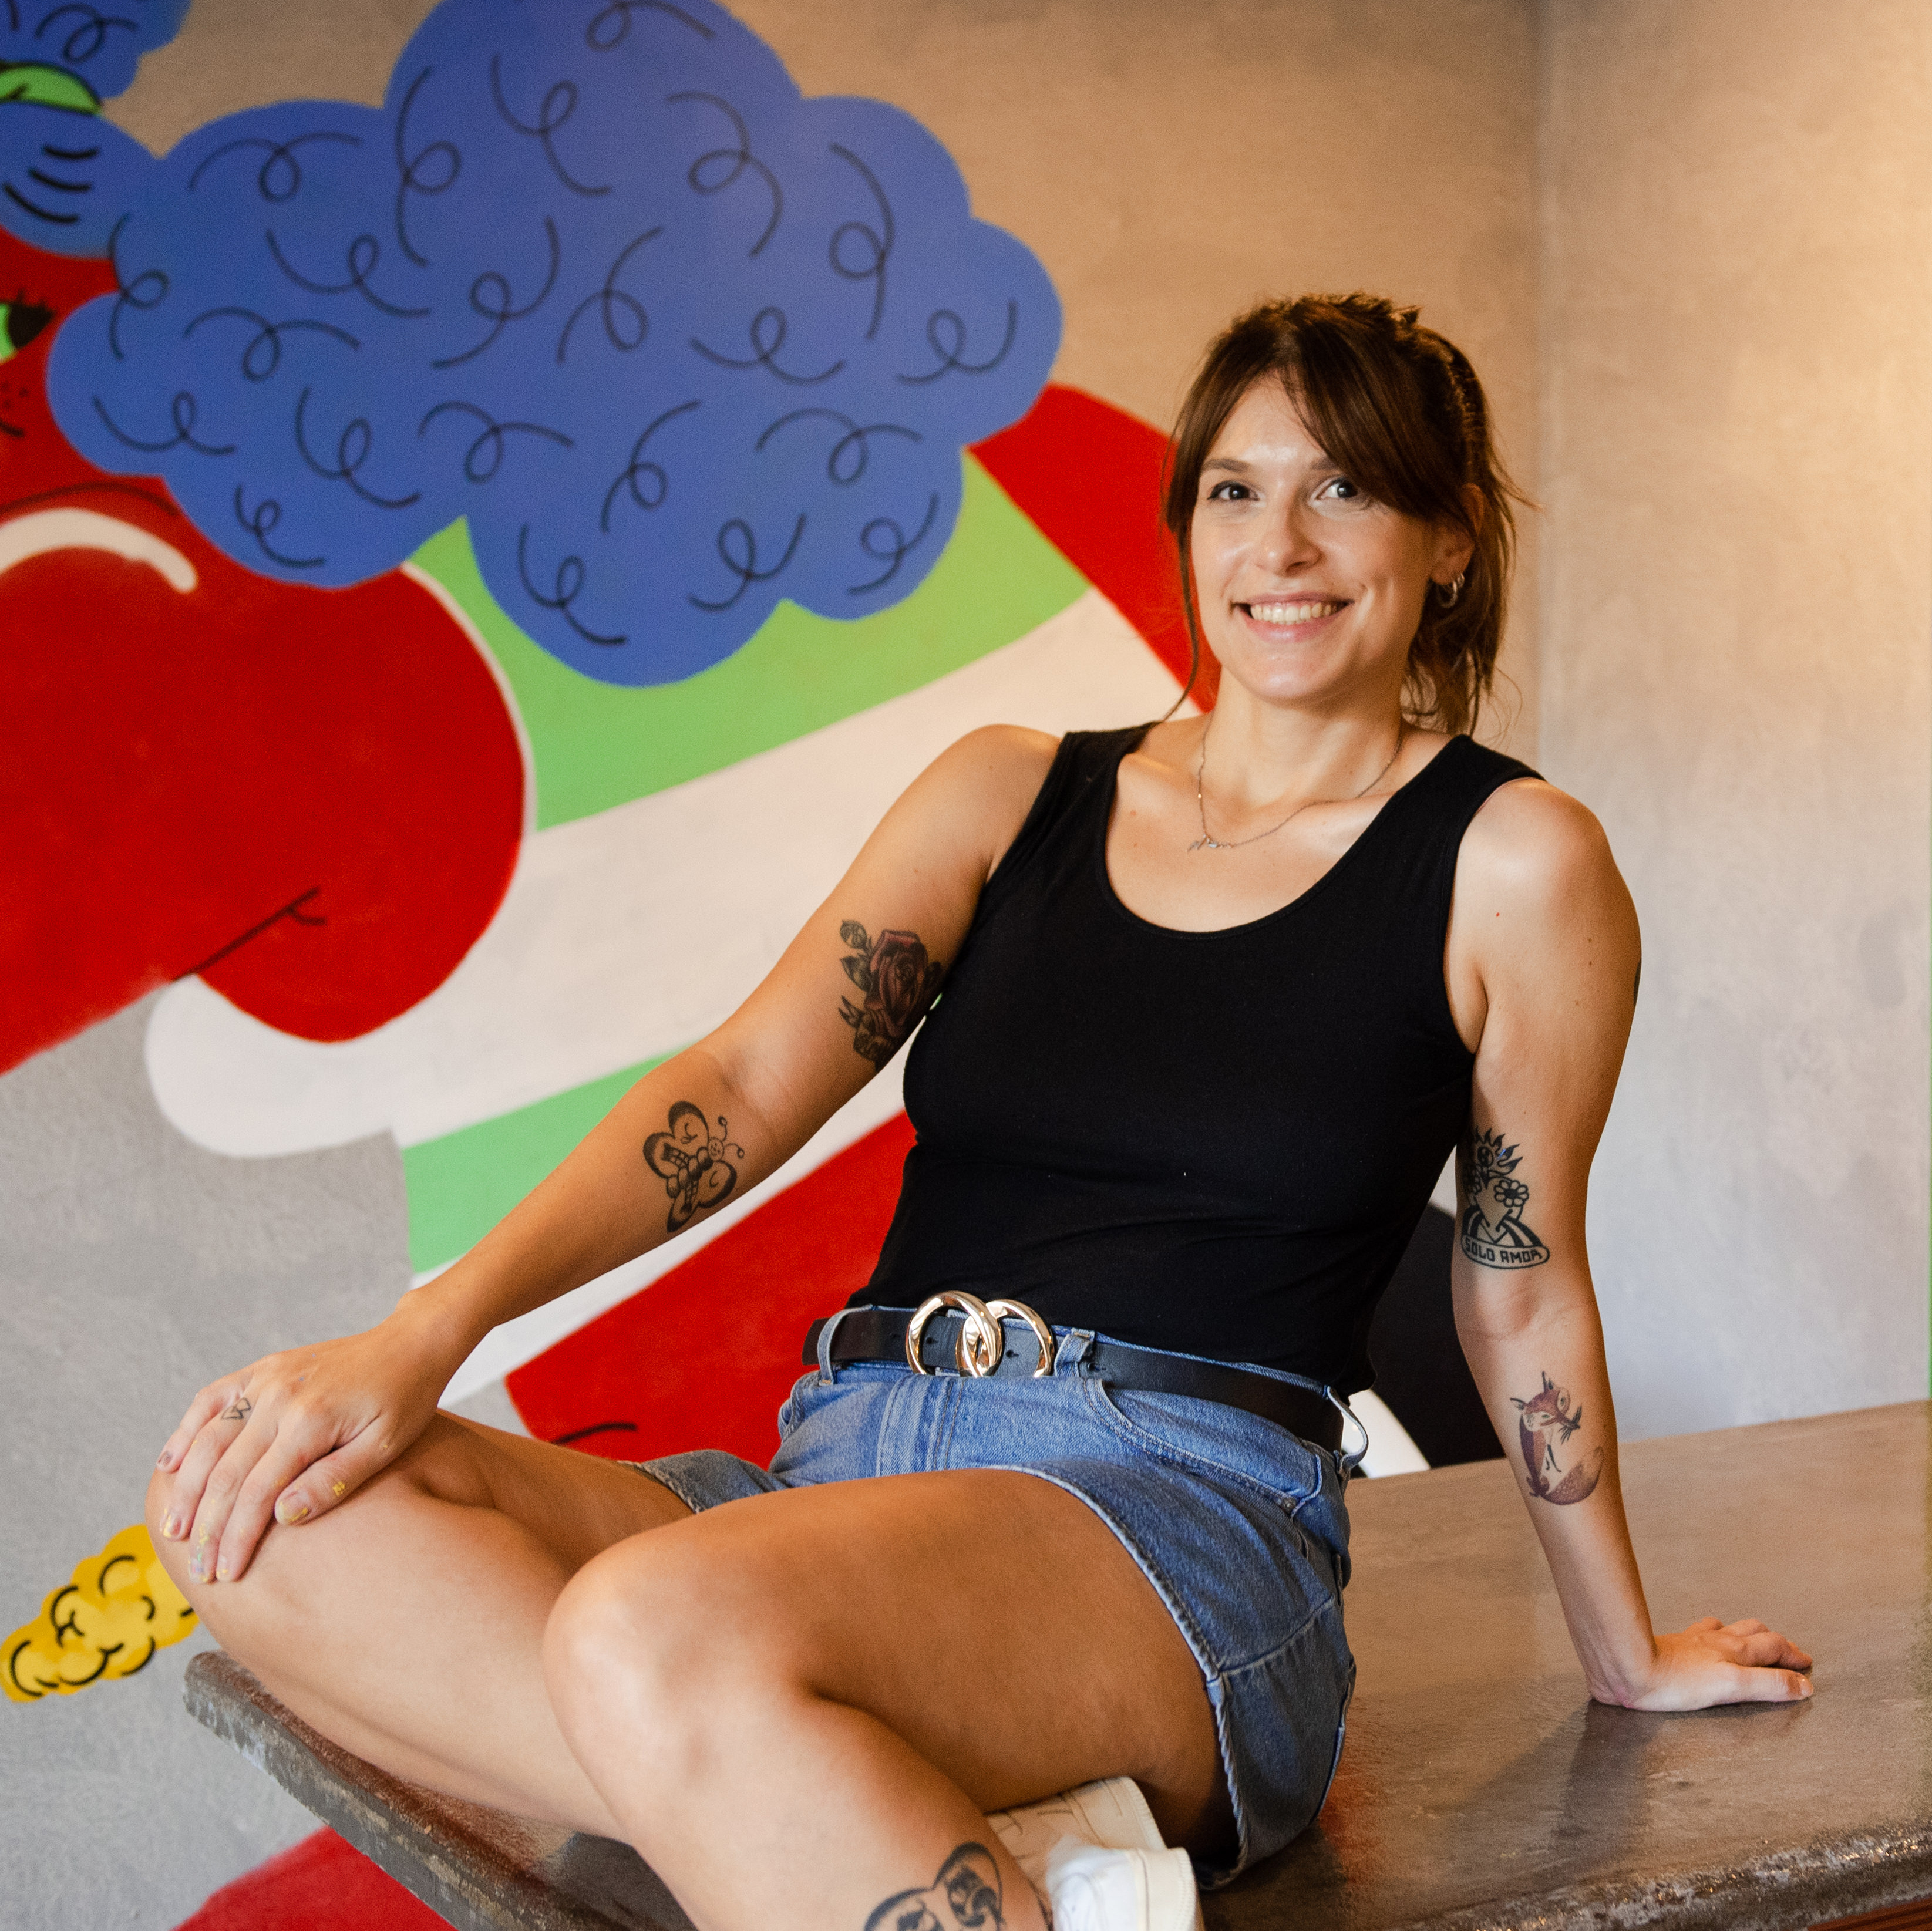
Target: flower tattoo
column 1501, row 1238
column 898, row 981
column 691, row 1161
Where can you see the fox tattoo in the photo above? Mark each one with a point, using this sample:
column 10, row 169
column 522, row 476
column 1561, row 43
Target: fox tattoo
column 1545, row 1424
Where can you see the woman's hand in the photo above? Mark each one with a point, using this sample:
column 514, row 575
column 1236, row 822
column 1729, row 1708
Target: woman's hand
column 1712, row 1661
column 293, row 1435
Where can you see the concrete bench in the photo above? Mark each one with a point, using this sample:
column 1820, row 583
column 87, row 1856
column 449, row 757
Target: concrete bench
column 1479, row 1789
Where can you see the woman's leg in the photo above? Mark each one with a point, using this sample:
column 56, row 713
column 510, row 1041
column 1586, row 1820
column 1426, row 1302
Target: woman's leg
column 798, row 1707
column 408, row 1624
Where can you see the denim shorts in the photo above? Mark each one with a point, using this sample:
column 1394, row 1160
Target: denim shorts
column 1239, row 1524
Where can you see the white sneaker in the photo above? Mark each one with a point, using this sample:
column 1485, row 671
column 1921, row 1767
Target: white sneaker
column 1096, row 1855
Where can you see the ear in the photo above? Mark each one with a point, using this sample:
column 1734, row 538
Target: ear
column 1457, row 546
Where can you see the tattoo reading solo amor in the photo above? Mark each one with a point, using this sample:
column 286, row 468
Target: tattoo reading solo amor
column 898, row 981
column 690, row 1159
column 964, row 1897
column 1496, row 1233
column 1546, row 1424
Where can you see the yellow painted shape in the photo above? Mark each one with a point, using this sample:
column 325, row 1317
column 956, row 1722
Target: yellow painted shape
column 107, row 1622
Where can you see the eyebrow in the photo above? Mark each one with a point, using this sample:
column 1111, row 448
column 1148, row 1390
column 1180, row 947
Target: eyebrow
column 1224, row 463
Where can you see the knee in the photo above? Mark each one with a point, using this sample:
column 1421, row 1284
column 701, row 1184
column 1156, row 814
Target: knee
column 659, row 1638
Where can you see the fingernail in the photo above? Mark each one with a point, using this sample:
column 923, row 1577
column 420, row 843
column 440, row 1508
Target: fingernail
column 162, row 1460
column 171, row 1527
column 221, row 1570
column 195, row 1573
column 292, row 1512
column 339, row 1489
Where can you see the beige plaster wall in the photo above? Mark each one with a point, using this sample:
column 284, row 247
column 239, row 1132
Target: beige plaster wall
column 1169, row 164
column 1737, row 457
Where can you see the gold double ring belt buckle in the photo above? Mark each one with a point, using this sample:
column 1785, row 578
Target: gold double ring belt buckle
column 982, row 1344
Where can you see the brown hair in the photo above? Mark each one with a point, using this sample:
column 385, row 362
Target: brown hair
column 1398, row 408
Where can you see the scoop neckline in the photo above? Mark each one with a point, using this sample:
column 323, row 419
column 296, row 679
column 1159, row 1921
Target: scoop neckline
column 1301, row 897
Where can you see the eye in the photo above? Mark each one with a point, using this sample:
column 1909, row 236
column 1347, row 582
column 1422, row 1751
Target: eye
column 20, row 321
column 1229, row 492
column 1339, row 489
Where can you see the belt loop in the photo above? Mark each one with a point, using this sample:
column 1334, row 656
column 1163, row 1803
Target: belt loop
column 1075, row 1345
column 1349, row 1461
column 828, row 1375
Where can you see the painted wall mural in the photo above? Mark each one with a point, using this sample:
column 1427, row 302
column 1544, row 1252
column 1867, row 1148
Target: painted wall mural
column 439, row 546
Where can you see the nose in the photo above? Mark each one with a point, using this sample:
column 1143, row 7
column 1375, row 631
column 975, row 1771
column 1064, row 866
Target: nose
column 1287, row 541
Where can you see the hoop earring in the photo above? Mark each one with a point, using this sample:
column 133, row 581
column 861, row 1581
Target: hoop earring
column 1453, row 591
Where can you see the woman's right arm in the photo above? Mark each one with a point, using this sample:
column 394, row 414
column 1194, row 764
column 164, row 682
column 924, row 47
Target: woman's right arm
column 295, row 1434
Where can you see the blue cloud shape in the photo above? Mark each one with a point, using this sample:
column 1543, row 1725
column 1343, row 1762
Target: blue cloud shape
column 102, row 45
column 677, row 341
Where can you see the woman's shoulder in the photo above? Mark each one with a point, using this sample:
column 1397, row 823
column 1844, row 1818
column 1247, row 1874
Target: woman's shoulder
column 1532, row 842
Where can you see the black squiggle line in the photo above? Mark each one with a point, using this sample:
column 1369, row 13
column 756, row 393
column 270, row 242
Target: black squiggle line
column 60, row 187
column 902, row 546
column 882, row 248
column 635, row 469
column 623, row 10
column 569, row 571
column 748, row 572
column 282, row 153
column 352, row 449
column 70, row 153
column 130, row 295
column 45, row 214
column 548, row 124
column 741, row 157
column 185, row 409
column 492, row 432
column 575, row 1434
column 293, row 909
column 950, row 358
column 259, row 521
column 855, row 436
column 88, row 39
column 268, row 332
column 362, row 255
column 409, row 177
column 610, row 295
column 505, row 312
column 12, row 16
column 765, row 351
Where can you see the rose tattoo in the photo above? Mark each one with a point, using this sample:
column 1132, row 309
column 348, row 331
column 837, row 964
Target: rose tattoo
column 898, row 981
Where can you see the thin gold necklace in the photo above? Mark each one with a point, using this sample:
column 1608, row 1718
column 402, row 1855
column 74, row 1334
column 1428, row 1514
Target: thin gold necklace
column 1208, row 841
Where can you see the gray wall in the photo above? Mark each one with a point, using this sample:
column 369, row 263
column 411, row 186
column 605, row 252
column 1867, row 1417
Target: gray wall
column 1737, row 458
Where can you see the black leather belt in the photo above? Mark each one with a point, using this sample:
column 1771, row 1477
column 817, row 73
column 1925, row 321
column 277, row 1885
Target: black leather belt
column 879, row 1334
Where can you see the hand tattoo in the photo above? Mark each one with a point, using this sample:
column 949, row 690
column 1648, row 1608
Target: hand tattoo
column 898, row 981
column 690, row 1159
column 1500, row 1238
column 1547, row 1424
column 239, row 1409
column 964, row 1897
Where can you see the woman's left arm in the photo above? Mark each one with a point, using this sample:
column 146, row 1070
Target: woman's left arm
column 1542, row 967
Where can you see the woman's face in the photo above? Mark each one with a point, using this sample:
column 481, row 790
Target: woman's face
column 1310, row 590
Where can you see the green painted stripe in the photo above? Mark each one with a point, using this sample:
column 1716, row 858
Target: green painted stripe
column 596, row 745
column 460, row 1186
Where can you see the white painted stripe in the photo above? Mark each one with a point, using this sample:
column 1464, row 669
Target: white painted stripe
column 626, row 934
column 524, row 1339
column 40, row 531
column 1391, row 1451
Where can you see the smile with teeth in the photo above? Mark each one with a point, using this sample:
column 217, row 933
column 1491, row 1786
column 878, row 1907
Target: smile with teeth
column 1305, row 612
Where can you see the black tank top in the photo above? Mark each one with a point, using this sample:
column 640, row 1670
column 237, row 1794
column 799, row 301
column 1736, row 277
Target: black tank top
column 1214, row 1142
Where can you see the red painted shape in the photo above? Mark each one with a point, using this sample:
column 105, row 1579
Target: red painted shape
column 314, row 796
column 323, row 1883
column 1089, row 475
column 703, row 1357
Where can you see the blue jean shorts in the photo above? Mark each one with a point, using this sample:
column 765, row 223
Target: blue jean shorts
column 1239, row 1524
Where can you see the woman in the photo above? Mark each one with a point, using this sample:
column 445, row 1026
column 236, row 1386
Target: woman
column 1221, row 994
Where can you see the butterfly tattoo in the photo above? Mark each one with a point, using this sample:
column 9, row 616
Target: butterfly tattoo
column 691, row 1162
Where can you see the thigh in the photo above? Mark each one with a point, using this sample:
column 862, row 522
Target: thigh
column 407, row 1624
column 987, row 1617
